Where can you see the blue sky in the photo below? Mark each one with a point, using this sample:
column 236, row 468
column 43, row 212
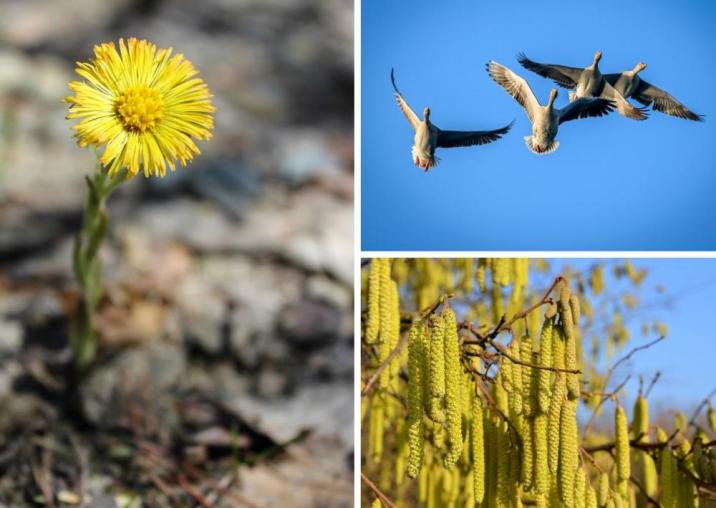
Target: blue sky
column 614, row 183
column 686, row 357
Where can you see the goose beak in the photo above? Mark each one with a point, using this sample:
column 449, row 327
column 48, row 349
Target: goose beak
column 597, row 56
column 640, row 66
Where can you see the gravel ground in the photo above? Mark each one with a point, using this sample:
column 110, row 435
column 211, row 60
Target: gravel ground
column 226, row 365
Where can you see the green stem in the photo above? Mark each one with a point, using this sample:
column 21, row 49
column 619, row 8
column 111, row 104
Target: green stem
column 87, row 265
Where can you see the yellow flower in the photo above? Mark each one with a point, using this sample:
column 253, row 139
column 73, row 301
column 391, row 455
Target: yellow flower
column 143, row 105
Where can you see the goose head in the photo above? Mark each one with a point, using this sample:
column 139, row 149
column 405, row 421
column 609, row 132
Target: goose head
column 426, row 114
column 597, row 57
column 552, row 97
column 639, row 67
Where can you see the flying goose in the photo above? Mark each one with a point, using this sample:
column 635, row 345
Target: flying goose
column 588, row 82
column 545, row 119
column 629, row 84
column 428, row 136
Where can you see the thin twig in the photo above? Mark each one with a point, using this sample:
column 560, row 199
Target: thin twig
column 698, row 409
column 383, row 498
column 588, row 427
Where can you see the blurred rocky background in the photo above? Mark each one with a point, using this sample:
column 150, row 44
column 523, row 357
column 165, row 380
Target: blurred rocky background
column 226, row 371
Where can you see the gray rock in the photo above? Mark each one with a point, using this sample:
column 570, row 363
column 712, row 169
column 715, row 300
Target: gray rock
column 11, row 336
column 143, row 377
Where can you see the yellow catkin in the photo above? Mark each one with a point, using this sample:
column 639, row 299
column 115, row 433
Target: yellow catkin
column 596, row 280
column 640, row 419
column 621, row 444
column 667, row 496
column 373, row 311
column 603, row 489
column 387, row 308
column 576, row 309
column 503, row 465
column 651, row 480
column 527, row 468
column 591, row 499
column 394, row 328
column 437, row 369
column 376, row 428
column 527, row 376
column 544, row 389
column 416, row 430
column 516, row 400
column 480, row 274
column 553, row 423
column 376, row 503
column 568, row 451
column 541, row 465
column 580, row 492
column 711, row 416
column 570, row 361
column 477, row 446
column 453, row 394
column 680, row 422
column 501, row 271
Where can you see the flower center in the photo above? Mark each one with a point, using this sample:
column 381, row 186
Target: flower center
column 140, row 107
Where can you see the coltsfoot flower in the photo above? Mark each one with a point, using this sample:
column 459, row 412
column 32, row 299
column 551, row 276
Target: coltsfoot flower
column 143, row 105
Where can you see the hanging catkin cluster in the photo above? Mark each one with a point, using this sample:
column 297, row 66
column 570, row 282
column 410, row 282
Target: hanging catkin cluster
column 479, row 406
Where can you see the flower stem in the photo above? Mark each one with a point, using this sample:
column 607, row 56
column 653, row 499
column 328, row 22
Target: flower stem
column 87, row 266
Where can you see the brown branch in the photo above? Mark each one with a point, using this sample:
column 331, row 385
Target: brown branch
column 704, row 403
column 383, row 498
column 644, row 492
column 500, row 351
column 588, row 427
column 376, row 374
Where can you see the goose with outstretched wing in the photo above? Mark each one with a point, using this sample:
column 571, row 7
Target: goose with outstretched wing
column 586, row 82
column 629, row 84
column 545, row 119
column 428, row 136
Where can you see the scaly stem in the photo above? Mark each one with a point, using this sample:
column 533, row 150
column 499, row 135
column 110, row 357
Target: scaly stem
column 87, row 266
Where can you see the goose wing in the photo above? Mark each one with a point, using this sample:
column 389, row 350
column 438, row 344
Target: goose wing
column 566, row 77
column 452, row 139
column 516, row 86
column 660, row 100
column 624, row 108
column 403, row 105
column 584, row 108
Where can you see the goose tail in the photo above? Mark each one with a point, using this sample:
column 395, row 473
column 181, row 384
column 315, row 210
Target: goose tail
column 536, row 149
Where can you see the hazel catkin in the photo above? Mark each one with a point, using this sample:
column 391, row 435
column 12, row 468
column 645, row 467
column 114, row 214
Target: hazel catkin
column 640, row 419
column 477, row 446
column 580, row 492
column 603, row 489
column 453, row 395
column 553, row 423
column 416, row 430
column 568, row 451
column 437, row 369
column 373, row 310
column 621, row 444
column 545, row 360
column 541, row 466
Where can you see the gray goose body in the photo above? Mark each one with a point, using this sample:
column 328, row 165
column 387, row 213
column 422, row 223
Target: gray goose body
column 629, row 84
column 587, row 82
column 428, row 137
column 545, row 119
